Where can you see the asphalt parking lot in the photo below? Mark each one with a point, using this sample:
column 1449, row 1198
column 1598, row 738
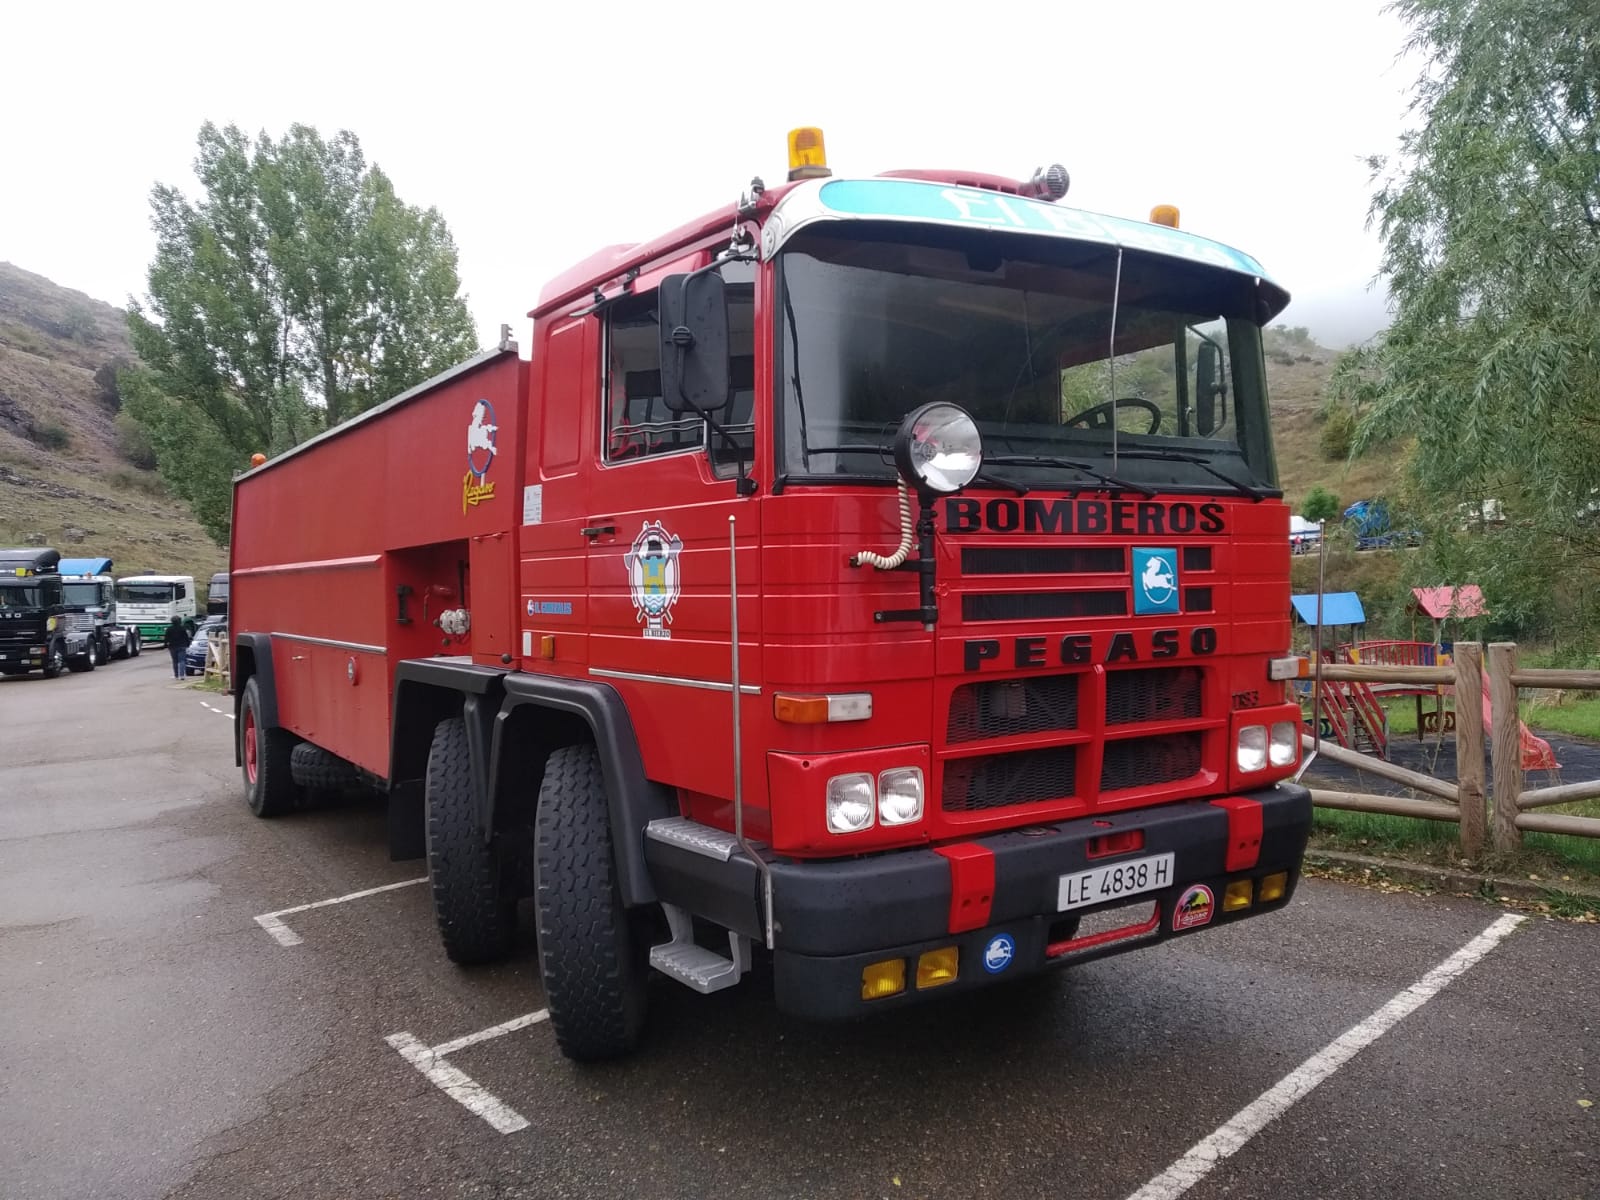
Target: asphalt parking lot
column 158, row 1039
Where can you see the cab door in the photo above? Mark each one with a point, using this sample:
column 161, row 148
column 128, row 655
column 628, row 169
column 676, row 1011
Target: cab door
column 660, row 546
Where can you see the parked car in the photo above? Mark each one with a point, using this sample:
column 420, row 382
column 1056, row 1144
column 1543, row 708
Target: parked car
column 195, row 660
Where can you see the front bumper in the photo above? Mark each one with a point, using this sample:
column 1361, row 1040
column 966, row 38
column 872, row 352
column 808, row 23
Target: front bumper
column 833, row 919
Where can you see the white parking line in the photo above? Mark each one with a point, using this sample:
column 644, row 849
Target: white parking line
column 221, row 712
column 285, row 936
column 456, row 1083
column 1210, row 1152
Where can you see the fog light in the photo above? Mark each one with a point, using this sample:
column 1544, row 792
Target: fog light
column 900, row 796
column 1236, row 896
column 882, row 979
column 1250, row 752
column 1284, row 747
column 1272, row 887
column 937, row 967
column 850, row 803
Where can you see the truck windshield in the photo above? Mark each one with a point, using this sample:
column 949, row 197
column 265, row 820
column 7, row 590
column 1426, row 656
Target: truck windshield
column 21, row 595
column 144, row 593
column 86, row 595
column 875, row 321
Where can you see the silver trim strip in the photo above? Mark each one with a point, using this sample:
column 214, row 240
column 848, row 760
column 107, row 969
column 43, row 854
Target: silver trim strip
column 334, row 642
column 710, row 685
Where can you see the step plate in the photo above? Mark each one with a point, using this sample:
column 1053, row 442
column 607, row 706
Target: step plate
column 704, row 970
column 693, row 836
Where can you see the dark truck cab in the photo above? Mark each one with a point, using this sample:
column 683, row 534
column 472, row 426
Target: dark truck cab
column 37, row 629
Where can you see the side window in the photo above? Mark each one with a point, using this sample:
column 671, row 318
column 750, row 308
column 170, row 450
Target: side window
column 180, row 591
column 638, row 423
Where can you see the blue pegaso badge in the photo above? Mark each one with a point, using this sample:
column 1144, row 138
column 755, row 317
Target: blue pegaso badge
column 1155, row 581
column 997, row 955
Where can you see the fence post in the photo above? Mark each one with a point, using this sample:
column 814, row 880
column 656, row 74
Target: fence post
column 1507, row 745
column 1469, row 747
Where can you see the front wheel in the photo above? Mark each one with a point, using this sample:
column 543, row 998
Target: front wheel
column 268, row 786
column 594, row 979
column 55, row 661
column 86, row 661
column 477, row 915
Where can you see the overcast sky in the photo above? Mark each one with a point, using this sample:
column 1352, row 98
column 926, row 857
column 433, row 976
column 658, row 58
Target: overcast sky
column 543, row 131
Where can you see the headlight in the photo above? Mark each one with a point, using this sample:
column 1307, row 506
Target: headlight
column 1285, row 744
column 900, row 796
column 1250, row 753
column 50, row 624
column 849, row 803
column 938, row 448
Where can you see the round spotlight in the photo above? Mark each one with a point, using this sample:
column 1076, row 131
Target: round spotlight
column 938, row 448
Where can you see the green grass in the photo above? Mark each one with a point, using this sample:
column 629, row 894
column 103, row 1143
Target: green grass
column 1549, row 856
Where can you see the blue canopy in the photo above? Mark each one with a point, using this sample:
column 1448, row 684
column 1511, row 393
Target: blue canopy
column 1338, row 608
column 85, row 566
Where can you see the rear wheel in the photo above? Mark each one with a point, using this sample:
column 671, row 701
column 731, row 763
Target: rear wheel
column 135, row 644
column 268, row 787
column 477, row 915
column 594, row 977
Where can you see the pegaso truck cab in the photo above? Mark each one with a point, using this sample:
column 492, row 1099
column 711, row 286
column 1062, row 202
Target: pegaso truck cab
column 39, row 629
column 149, row 602
column 87, row 586
column 886, row 574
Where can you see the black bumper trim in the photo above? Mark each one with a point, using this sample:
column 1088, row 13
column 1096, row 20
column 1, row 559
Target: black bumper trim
column 846, row 907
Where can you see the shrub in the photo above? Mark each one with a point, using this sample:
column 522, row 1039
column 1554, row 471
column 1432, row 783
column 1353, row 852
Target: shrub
column 133, row 443
column 50, row 435
column 1320, row 505
column 1338, row 433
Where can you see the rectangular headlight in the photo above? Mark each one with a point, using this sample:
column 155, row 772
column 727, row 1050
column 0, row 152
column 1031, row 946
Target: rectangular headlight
column 1284, row 745
column 850, row 803
column 900, row 796
column 1250, row 752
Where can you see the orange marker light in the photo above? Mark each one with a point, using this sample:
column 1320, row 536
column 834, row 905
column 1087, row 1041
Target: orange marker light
column 795, row 709
column 808, row 158
column 1164, row 214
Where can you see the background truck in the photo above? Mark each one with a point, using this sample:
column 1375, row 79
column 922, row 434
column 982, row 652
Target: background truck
column 149, row 602
column 88, row 587
column 217, row 595
column 39, row 631
column 887, row 574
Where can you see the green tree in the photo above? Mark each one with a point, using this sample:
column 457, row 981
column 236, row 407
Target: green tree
column 297, row 291
column 1320, row 505
column 1490, row 220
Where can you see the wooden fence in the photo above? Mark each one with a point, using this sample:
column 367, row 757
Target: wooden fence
column 1463, row 801
column 217, row 659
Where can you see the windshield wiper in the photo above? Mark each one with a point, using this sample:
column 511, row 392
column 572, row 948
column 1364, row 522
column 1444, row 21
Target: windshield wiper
column 1247, row 489
column 1043, row 460
column 887, row 453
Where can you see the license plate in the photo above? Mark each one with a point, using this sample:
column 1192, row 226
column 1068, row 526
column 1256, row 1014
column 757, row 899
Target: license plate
column 1115, row 880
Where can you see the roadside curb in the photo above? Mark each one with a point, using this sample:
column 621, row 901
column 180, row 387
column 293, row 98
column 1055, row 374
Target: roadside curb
column 1447, row 879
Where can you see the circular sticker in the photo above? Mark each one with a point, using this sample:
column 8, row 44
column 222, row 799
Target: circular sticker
column 997, row 955
column 1194, row 907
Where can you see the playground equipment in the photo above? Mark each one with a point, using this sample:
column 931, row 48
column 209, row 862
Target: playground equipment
column 1351, row 712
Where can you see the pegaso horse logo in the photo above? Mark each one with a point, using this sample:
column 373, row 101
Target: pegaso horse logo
column 481, row 431
column 1157, row 579
column 652, row 565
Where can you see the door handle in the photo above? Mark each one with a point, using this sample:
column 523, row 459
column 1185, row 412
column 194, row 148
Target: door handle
column 594, row 531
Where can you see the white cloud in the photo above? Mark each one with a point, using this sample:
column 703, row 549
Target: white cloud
column 543, row 134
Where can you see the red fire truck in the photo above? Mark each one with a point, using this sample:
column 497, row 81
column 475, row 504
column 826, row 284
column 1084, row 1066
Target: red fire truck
column 888, row 573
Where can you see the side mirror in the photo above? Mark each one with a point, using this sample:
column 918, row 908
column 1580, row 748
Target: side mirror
column 694, row 342
column 1208, row 388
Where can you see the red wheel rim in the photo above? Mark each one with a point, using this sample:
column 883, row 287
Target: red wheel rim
column 250, row 744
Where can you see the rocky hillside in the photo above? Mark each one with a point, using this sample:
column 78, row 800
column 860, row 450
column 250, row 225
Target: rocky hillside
column 71, row 475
